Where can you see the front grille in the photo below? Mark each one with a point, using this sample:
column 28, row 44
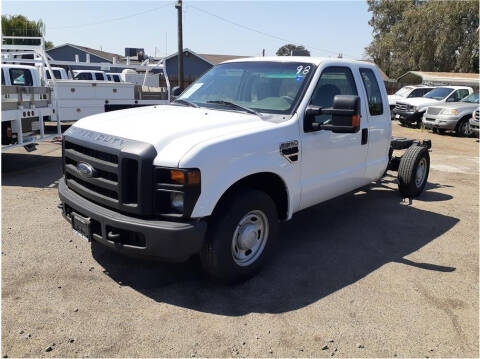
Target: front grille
column 477, row 112
column 401, row 106
column 101, row 187
column 122, row 177
column 429, row 119
column 433, row 110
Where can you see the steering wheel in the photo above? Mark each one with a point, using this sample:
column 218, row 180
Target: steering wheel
column 289, row 99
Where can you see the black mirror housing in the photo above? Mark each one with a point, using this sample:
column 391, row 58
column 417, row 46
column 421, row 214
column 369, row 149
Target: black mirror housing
column 176, row 91
column 345, row 107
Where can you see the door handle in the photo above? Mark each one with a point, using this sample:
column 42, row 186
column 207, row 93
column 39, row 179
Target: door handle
column 364, row 136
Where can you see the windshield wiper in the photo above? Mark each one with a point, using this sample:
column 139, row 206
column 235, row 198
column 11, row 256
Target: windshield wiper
column 234, row 105
column 185, row 102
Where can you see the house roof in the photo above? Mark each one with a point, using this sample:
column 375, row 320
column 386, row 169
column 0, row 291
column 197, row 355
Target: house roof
column 103, row 54
column 212, row 59
column 216, row 59
column 442, row 76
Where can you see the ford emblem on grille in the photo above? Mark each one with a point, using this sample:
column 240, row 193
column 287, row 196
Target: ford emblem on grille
column 85, row 169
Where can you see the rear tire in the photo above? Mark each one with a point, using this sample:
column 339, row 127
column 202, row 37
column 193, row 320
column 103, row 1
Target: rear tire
column 413, row 171
column 240, row 236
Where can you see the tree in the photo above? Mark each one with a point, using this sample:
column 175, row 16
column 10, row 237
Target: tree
column 288, row 49
column 19, row 25
column 424, row 35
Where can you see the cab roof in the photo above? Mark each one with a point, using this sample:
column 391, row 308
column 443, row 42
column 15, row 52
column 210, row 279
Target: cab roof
column 308, row 59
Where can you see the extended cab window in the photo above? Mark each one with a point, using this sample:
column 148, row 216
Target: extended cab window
column 21, row 77
column 116, row 78
column 99, row 76
column 374, row 96
column 84, row 76
column 333, row 81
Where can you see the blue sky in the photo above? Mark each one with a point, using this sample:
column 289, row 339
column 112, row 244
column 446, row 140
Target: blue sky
column 324, row 27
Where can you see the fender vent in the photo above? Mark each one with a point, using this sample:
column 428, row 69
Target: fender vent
column 289, row 150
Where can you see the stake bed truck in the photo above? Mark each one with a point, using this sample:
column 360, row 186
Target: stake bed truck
column 249, row 144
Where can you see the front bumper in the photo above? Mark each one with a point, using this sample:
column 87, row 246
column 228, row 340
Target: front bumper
column 447, row 122
column 162, row 239
column 407, row 116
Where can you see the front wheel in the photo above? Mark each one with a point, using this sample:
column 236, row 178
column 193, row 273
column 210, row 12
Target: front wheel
column 413, row 171
column 463, row 129
column 240, row 236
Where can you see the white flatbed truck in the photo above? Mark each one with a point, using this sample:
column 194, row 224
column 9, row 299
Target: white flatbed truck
column 249, row 144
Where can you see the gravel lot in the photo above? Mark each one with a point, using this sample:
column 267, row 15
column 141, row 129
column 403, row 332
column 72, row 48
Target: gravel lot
column 363, row 275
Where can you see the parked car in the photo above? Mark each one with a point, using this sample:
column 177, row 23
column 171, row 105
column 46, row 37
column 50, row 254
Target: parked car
column 410, row 91
column 247, row 145
column 89, row 75
column 474, row 123
column 115, row 77
column 452, row 116
column 411, row 110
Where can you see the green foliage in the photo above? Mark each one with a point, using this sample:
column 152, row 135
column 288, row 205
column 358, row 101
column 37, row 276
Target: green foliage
column 287, row 49
column 424, row 35
column 19, row 25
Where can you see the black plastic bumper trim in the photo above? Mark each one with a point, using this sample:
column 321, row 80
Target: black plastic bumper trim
column 165, row 240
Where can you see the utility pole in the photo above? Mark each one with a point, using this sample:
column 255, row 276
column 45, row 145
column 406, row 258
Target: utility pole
column 178, row 6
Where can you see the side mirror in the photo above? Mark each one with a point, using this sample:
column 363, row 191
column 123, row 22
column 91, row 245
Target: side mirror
column 176, row 91
column 345, row 115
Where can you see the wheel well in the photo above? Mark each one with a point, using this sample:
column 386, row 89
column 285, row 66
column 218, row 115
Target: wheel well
column 268, row 182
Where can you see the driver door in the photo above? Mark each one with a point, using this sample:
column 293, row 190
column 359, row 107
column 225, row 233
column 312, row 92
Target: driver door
column 333, row 163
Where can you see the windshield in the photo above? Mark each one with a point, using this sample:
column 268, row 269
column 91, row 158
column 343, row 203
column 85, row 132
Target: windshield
column 404, row 91
column 271, row 87
column 439, row 93
column 473, row 98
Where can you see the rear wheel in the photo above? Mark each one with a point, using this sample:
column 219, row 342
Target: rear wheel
column 413, row 171
column 240, row 236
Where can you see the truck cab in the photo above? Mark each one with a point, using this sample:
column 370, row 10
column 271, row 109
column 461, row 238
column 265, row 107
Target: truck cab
column 249, row 144
column 410, row 91
column 20, row 75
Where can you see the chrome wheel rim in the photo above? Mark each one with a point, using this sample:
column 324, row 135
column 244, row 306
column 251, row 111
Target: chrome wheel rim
column 466, row 129
column 421, row 172
column 249, row 238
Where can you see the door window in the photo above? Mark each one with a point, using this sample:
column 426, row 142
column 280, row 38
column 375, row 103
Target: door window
column 21, row 77
column 333, row 81
column 99, row 76
column 84, row 76
column 457, row 95
column 374, row 96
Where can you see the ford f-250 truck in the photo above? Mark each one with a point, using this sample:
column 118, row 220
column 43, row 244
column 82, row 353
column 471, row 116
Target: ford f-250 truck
column 247, row 145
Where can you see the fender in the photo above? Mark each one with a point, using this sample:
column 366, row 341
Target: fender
column 233, row 158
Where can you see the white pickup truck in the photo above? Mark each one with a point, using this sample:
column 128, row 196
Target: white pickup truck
column 249, row 144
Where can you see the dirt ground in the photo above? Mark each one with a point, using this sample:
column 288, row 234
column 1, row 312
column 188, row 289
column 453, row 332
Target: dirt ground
column 363, row 275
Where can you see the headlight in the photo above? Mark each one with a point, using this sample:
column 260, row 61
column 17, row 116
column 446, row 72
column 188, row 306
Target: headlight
column 175, row 190
column 412, row 108
column 449, row 111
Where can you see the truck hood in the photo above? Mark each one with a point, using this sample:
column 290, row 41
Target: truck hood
column 172, row 129
column 420, row 102
column 392, row 99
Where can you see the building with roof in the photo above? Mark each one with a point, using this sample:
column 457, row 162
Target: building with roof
column 440, row 78
column 194, row 65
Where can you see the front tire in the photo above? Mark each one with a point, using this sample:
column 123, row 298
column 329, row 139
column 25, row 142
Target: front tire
column 413, row 171
column 240, row 237
column 463, row 129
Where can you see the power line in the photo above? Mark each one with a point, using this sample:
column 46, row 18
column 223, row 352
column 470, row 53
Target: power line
column 113, row 19
column 260, row 32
